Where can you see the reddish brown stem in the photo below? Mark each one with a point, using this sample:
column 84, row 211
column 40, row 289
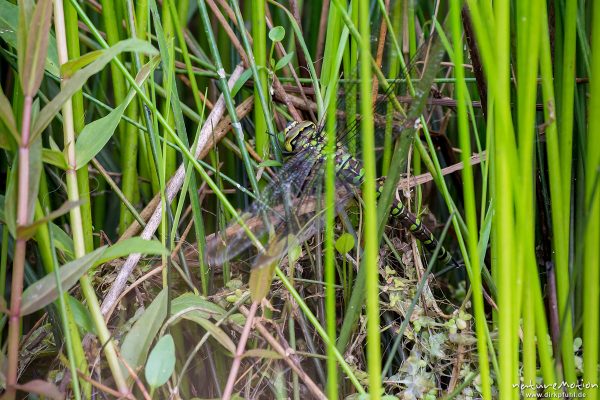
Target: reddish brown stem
column 19, row 257
column 239, row 352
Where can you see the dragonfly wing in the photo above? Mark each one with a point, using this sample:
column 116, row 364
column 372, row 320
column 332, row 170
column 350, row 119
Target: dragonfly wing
column 267, row 213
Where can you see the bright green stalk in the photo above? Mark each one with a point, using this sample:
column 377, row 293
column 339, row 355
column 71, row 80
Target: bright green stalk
column 334, row 26
column 561, row 219
column 371, row 242
column 554, row 175
column 76, row 217
column 527, row 66
column 560, row 229
column 259, row 48
column 330, row 66
column 591, row 262
column 505, row 160
column 469, row 198
column 329, row 266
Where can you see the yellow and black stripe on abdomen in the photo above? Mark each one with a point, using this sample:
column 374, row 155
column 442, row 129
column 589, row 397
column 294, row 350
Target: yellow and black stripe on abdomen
column 416, row 227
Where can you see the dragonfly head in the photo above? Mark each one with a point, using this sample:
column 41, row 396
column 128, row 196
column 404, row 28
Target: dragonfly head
column 298, row 135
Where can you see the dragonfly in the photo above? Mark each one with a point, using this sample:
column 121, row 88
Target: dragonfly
column 291, row 204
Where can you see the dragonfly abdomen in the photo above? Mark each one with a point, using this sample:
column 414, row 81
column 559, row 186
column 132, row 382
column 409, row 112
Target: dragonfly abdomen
column 350, row 170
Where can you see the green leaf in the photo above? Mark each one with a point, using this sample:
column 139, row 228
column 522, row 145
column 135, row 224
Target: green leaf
column 137, row 342
column 269, row 163
column 62, row 241
column 283, row 61
column 36, row 50
column 25, row 11
column 54, row 157
column 198, row 310
column 78, row 80
column 294, row 249
column 161, row 362
column 344, row 243
column 95, row 135
column 196, row 306
column 81, row 315
column 277, row 33
column 26, row 232
column 8, row 118
column 9, row 25
column 43, row 292
column 72, row 66
column 241, row 82
column 217, row 333
column 35, row 170
column 132, row 245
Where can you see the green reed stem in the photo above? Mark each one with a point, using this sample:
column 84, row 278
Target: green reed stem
column 469, row 200
column 259, row 48
column 528, row 22
column 508, row 277
column 334, row 48
column 371, row 242
column 591, row 262
column 553, row 175
column 565, row 148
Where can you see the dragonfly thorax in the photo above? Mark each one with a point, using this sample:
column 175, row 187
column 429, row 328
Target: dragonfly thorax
column 300, row 135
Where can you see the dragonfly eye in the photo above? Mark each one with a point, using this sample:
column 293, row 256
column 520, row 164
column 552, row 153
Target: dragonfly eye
column 295, row 132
